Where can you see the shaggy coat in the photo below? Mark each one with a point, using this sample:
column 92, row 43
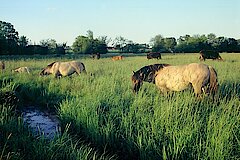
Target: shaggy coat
column 22, row 70
column 59, row 69
column 201, row 77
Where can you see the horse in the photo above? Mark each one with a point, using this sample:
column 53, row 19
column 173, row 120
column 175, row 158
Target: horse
column 21, row 70
column 116, row 58
column 209, row 54
column 59, row 69
column 152, row 55
column 95, row 56
column 201, row 77
column 2, row 65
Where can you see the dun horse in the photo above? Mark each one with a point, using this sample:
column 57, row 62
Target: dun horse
column 21, row 70
column 201, row 77
column 59, row 69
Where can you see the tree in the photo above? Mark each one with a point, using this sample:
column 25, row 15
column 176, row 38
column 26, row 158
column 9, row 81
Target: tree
column 232, row 45
column 99, row 47
column 23, row 41
column 89, row 45
column 119, row 43
column 7, row 30
column 158, row 43
column 60, row 48
column 104, row 39
column 49, row 43
column 170, row 43
column 82, row 45
column 8, row 38
column 90, row 34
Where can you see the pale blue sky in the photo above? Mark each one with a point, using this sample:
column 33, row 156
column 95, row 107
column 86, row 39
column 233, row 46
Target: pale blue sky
column 136, row 20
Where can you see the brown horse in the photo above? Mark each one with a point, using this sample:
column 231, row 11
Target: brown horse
column 152, row 55
column 59, row 69
column 116, row 58
column 95, row 56
column 201, row 77
column 2, row 65
column 209, row 54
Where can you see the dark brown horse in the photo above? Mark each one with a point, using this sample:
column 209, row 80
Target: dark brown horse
column 152, row 55
column 2, row 65
column 209, row 54
column 95, row 56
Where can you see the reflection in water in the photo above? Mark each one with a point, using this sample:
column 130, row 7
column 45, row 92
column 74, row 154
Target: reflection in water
column 42, row 123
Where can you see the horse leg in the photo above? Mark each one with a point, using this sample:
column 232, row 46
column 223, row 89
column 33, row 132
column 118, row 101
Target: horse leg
column 197, row 89
column 163, row 89
column 57, row 74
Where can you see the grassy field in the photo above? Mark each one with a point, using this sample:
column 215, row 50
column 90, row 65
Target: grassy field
column 102, row 119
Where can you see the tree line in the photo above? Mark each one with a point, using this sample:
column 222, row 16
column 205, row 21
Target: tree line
column 196, row 43
column 11, row 43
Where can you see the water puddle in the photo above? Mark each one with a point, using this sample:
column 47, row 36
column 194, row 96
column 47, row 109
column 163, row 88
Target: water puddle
column 41, row 122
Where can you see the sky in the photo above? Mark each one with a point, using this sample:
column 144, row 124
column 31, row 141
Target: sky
column 136, row 20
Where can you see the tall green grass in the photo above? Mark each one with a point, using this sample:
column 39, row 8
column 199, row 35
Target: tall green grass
column 103, row 111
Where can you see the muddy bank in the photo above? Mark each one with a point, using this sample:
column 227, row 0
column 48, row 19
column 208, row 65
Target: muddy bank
column 41, row 122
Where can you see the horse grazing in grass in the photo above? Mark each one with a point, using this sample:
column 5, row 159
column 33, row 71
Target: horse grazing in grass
column 95, row 56
column 2, row 65
column 116, row 58
column 201, row 77
column 21, row 70
column 152, row 55
column 59, row 69
column 209, row 54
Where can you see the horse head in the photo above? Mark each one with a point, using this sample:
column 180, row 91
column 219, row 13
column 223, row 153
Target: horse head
column 137, row 80
column 147, row 74
column 47, row 70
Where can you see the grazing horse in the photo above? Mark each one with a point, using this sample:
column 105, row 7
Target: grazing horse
column 95, row 56
column 209, row 54
column 2, row 65
column 116, row 58
column 152, row 55
column 59, row 69
column 201, row 77
column 21, row 70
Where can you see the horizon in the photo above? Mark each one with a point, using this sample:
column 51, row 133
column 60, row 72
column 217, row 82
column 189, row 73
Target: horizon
column 135, row 20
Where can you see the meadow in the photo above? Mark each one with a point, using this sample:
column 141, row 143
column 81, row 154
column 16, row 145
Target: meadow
column 101, row 118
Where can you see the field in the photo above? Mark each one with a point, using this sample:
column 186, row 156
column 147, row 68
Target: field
column 102, row 119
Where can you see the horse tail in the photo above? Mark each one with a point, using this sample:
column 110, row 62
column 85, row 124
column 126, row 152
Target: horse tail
column 213, row 83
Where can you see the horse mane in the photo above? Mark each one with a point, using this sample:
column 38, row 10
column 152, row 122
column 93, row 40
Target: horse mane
column 51, row 64
column 147, row 73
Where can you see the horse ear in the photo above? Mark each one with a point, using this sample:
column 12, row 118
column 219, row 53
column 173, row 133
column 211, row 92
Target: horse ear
column 51, row 64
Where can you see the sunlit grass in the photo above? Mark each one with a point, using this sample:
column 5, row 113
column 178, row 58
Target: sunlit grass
column 102, row 109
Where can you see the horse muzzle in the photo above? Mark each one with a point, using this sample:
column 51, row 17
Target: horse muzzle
column 136, row 87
